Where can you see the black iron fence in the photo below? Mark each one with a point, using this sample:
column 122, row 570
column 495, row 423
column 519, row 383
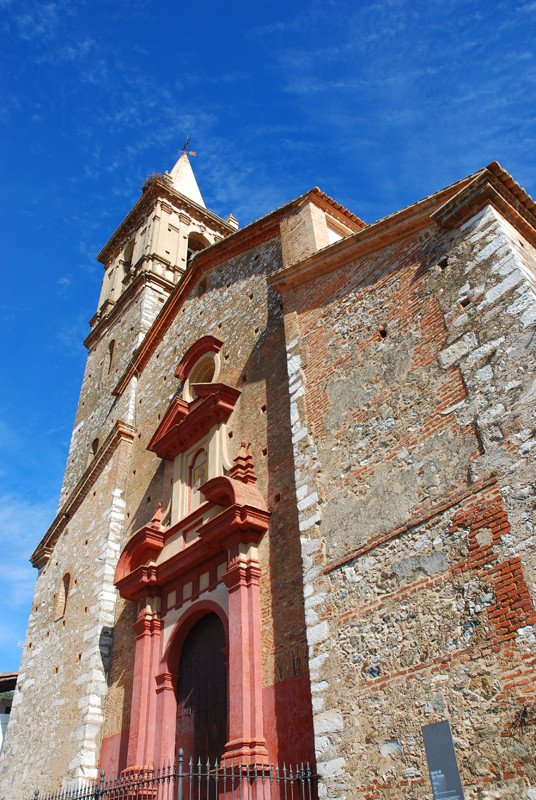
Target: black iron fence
column 197, row 781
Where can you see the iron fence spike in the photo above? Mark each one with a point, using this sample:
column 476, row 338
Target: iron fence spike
column 221, row 780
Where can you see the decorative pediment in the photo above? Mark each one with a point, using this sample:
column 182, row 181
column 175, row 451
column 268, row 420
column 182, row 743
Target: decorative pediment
column 186, row 423
column 143, row 548
column 235, row 513
column 176, row 412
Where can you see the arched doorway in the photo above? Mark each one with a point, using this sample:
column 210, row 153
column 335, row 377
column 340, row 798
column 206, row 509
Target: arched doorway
column 202, row 691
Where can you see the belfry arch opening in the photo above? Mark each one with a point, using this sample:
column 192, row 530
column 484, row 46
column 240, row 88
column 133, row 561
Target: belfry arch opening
column 127, row 257
column 196, row 242
column 201, row 728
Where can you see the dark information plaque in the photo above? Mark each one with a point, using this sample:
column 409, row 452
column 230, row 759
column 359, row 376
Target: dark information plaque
column 446, row 784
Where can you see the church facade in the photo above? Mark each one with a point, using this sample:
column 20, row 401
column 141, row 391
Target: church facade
column 296, row 523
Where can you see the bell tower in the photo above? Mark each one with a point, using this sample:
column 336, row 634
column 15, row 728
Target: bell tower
column 155, row 243
column 143, row 261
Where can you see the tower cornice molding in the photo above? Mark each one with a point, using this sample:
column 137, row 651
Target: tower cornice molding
column 141, row 280
column 160, row 190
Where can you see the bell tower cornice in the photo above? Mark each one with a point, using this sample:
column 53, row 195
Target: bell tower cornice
column 160, row 190
column 153, row 247
column 108, row 312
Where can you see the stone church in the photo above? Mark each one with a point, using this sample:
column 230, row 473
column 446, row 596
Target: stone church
column 297, row 517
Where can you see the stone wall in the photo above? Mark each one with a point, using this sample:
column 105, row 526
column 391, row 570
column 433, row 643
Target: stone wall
column 61, row 690
column 411, row 383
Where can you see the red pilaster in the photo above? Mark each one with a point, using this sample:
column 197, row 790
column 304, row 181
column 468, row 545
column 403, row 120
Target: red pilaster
column 143, row 713
column 166, row 717
column 246, row 737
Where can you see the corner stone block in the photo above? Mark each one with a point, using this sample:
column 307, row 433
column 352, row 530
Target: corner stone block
column 330, row 769
column 328, row 722
column 457, row 350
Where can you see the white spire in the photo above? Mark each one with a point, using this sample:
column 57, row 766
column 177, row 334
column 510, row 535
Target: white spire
column 183, row 179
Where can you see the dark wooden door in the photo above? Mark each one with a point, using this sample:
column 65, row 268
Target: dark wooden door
column 202, row 691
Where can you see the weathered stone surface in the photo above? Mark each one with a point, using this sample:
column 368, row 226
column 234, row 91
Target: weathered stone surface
column 418, row 442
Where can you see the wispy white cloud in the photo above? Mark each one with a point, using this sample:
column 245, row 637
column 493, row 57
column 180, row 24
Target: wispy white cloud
column 71, row 333
column 41, row 20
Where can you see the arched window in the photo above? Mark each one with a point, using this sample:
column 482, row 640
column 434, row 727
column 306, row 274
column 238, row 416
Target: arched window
column 60, row 603
column 127, row 257
column 196, row 242
column 92, row 451
column 204, row 371
column 202, row 691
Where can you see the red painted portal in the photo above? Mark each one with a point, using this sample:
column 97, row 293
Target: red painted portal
column 188, row 695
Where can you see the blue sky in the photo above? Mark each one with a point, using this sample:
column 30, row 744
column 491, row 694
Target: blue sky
column 378, row 102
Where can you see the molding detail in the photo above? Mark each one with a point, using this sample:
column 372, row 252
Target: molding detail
column 243, row 469
column 144, row 547
column 207, row 344
column 488, row 189
column 237, row 524
column 185, row 423
column 244, row 518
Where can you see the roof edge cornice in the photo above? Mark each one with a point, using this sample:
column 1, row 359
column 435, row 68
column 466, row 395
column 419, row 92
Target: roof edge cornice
column 493, row 186
column 449, row 207
column 384, row 231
